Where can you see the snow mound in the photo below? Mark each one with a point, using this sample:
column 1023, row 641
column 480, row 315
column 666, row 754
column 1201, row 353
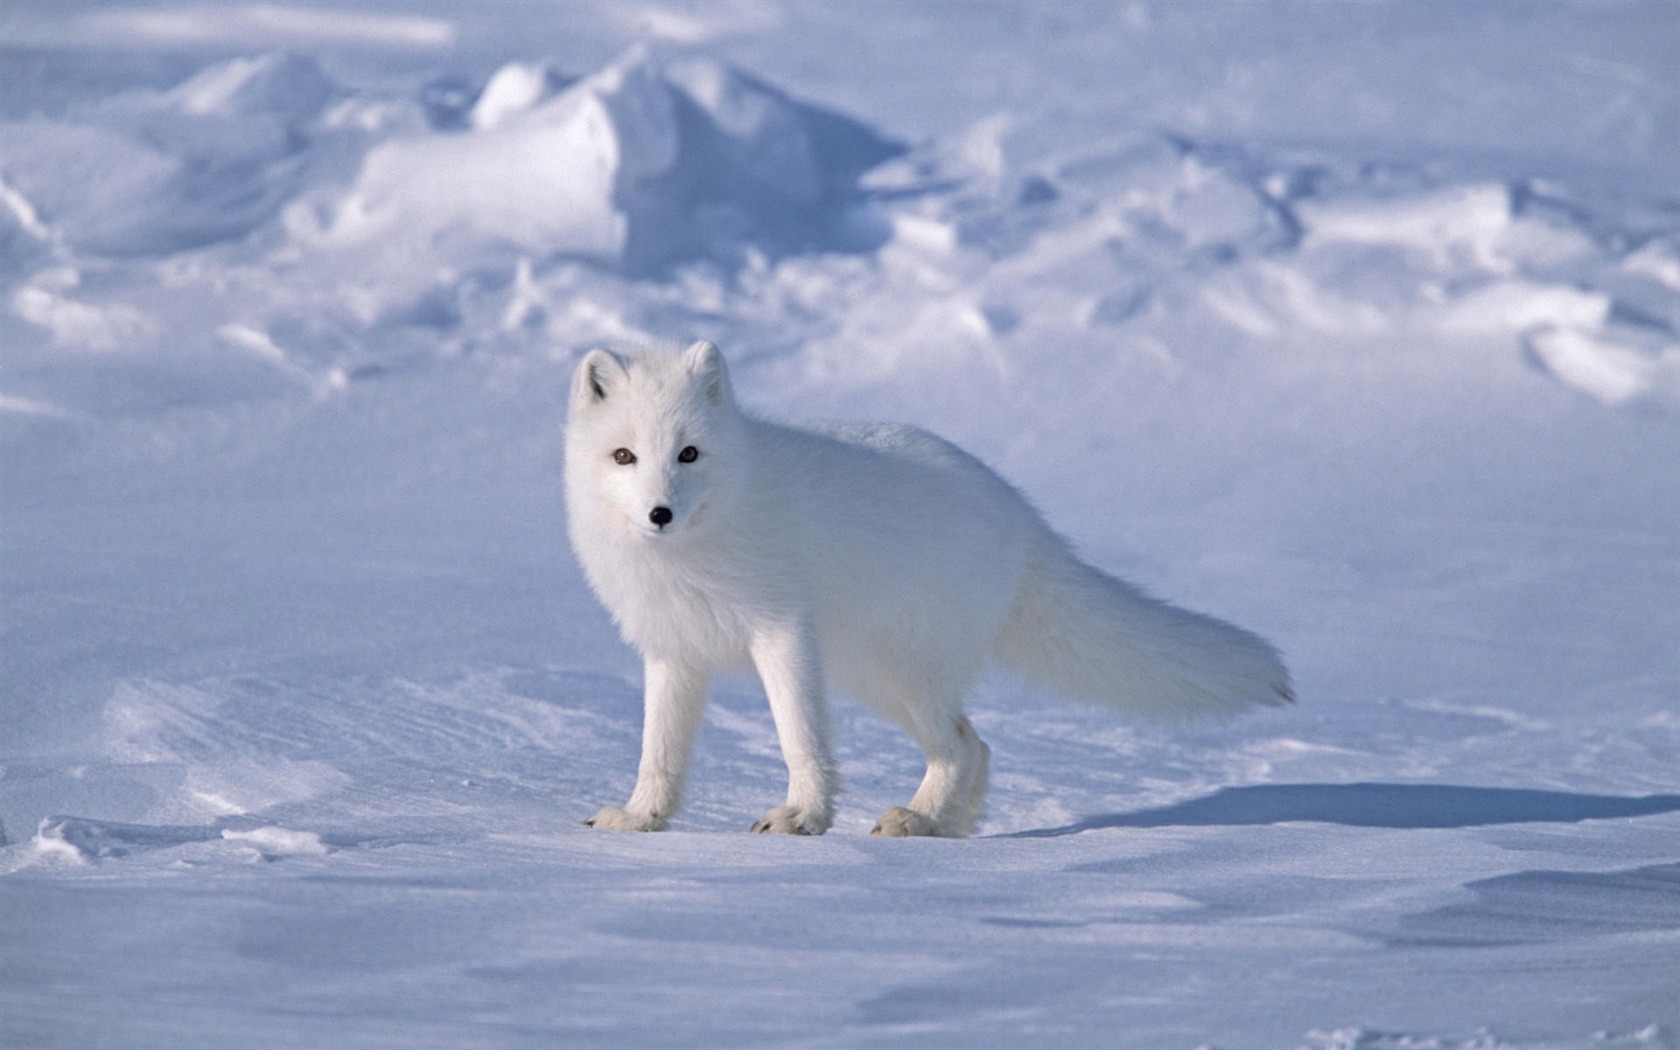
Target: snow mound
column 513, row 89
column 80, row 840
column 1279, row 245
column 49, row 300
column 639, row 166
column 995, row 247
column 270, row 842
column 1466, row 225
column 1607, row 369
column 155, row 173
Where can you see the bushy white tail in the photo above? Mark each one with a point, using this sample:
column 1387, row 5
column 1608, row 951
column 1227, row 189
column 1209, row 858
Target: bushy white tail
column 1096, row 638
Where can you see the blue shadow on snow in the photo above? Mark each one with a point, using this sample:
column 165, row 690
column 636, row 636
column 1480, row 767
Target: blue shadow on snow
column 1374, row 806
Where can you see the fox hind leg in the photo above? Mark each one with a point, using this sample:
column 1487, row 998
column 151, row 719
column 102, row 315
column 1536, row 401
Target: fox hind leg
column 951, row 798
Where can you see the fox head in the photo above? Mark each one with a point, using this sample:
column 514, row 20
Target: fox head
column 651, row 440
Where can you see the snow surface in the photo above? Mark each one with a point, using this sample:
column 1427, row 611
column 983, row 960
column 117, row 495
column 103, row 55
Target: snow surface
column 1358, row 325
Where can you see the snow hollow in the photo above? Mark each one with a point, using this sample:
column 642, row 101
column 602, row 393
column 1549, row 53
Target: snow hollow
column 1356, row 325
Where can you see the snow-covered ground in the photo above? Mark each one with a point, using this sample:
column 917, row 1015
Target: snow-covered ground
column 1358, row 325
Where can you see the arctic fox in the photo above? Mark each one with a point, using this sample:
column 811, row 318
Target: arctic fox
column 874, row 558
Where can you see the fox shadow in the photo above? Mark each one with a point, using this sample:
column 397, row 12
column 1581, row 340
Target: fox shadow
column 1367, row 805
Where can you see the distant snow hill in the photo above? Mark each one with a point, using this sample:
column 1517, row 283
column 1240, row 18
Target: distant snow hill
column 641, row 165
column 470, row 208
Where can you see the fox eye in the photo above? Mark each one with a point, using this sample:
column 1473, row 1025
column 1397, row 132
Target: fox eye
column 624, row 457
column 688, row 455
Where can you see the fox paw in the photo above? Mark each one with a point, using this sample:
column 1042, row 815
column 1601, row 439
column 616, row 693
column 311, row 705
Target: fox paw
column 900, row 823
column 617, row 818
column 791, row 820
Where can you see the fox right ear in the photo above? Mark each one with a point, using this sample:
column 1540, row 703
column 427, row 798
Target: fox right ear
column 596, row 375
column 705, row 361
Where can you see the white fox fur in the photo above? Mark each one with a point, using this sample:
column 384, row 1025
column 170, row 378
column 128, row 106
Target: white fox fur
column 874, row 558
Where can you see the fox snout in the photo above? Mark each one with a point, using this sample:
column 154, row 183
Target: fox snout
column 667, row 518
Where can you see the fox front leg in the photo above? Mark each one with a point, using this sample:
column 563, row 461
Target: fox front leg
column 674, row 698
column 788, row 665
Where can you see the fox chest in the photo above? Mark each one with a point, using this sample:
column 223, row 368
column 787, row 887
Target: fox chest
column 684, row 612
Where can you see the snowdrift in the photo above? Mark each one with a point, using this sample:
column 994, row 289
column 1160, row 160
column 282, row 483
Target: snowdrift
column 156, row 173
column 466, row 215
column 639, row 166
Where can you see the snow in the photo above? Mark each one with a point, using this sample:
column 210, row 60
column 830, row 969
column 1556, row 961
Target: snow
column 1356, row 325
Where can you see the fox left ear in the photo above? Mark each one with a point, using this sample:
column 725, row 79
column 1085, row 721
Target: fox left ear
column 595, row 377
column 705, row 362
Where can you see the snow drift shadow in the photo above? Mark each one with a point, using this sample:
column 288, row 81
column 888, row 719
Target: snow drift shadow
column 1375, row 806
column 1532, row 907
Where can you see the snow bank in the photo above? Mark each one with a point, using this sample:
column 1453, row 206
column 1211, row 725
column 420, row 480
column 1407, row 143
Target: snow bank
column 641, row 165
column 965, row 246
column 155, row 173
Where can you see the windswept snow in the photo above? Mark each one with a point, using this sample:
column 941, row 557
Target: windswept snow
column 1357, row 325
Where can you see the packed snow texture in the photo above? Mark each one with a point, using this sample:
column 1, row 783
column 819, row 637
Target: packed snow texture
column 1356, row 325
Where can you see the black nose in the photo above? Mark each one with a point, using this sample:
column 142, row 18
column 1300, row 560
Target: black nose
column 660, row 516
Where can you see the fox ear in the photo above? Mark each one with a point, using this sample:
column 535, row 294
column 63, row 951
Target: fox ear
column 596, row 376
column 705, row 363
